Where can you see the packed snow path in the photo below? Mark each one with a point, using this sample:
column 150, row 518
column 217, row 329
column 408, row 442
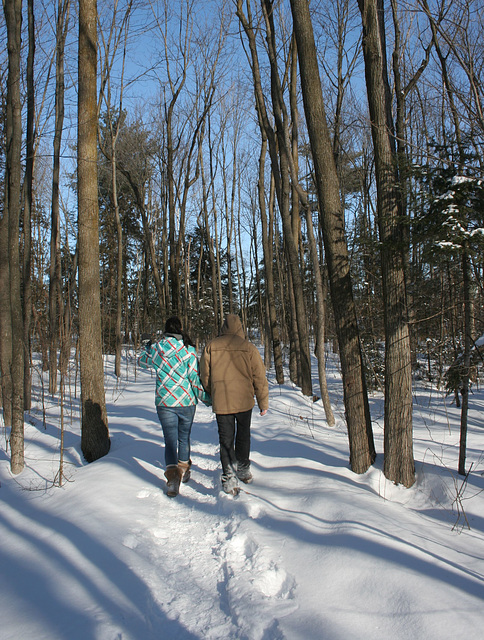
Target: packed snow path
column 310, row 550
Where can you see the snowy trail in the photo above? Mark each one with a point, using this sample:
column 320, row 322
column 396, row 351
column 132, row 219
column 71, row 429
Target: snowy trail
column 310, row 550
column 219, row 556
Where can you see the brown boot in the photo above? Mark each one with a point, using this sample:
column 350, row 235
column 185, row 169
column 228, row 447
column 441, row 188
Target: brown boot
column 185, row 468
column 173, row 477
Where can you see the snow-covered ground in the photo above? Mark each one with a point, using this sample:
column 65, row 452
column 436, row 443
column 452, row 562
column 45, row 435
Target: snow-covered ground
column 310, row 550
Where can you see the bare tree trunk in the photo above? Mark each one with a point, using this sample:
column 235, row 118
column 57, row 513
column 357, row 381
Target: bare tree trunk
column 241, row 274
column 320, row 300
column 267, row 246
column 467, row 363
column 119, row 264
column 254, row 264
column 229, row 220
column 13, row 21
column 362, row 449
column 215, row 240
column 139, row 194
column 29, row 172
column 294, row 349
column 398, row 464
column 239, row 261
column 176, row 86
column 94, row 428
column 445, row 77
column 66, row 326
column 401, row 93
column 320, row 322
column 290, row 219
column 280, row 168
column 188, row 310
column 55, row 298
column 188, row 182
column 277, row 264
column 211, row 254
column 5, row 321
column 172, row 237
column 114, row 125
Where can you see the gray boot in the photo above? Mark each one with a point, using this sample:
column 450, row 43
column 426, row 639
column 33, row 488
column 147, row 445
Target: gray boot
column 244, row 473
column 230, row 484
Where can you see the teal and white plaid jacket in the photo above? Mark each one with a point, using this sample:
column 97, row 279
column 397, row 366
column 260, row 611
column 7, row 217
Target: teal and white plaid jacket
column 177, row 373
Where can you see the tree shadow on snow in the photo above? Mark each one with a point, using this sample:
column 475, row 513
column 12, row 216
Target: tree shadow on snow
column 39, row 579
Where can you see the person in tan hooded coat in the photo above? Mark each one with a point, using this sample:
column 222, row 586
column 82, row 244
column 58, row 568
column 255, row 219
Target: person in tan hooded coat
column 232, row 372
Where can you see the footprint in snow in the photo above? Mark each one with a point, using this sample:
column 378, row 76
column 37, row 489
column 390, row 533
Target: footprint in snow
column 251, row 576
column 144, row 493
column 130, row 541
column 246, row 560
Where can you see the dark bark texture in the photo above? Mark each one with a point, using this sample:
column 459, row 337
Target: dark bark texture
column 94, row 434
column 362, row 450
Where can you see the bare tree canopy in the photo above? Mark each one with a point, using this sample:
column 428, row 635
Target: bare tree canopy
column 314, row 167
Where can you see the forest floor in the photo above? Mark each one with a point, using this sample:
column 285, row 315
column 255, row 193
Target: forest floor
column 309, row 550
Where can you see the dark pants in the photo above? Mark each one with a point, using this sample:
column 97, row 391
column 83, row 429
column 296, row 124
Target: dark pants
column 234, row 427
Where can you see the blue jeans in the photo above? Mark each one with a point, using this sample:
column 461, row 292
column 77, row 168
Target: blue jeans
column 176, row 423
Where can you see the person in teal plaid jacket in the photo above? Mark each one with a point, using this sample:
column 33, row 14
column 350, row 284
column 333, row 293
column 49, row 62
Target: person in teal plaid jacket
column 178, row 390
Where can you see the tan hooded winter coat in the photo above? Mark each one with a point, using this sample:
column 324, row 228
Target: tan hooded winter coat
column 232, row 371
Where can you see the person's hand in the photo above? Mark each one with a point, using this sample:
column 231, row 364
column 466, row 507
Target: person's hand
column 263, row 413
